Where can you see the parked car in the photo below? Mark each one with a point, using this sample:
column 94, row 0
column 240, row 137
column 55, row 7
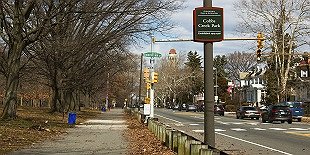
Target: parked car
column 219, row 109
column 277, row 113
column 176, row 107
column 191, row 107
column 296, row 109
column 247, row 112
column 183, row 107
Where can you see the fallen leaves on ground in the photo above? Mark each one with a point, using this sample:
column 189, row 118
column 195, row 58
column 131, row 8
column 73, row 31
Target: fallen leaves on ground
column 142, row 141
column 34, row 125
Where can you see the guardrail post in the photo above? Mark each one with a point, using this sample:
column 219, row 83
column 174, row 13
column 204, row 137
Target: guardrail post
column 195, row 148
column 168, row 140
column 188, row 143
column 163, row 134
column 204, row 151
column 181, row 143
column 175, row 140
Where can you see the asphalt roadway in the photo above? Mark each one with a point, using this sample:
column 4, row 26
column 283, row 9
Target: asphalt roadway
column 243, row 137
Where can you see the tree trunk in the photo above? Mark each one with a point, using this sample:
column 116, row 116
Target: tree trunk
column 10, row 101
column 54, row 99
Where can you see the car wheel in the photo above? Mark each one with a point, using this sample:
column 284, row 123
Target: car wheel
column 237, row 117
column 282, row 121
column 299, row 119
column 289, row 121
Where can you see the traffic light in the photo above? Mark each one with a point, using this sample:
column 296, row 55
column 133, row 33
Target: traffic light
column 148, row 86
column 258, row 54
column 146, row 73
column 154, row 77
column 260, row 40
column 153, row 40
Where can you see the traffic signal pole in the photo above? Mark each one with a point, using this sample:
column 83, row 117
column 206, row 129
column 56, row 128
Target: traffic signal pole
column 209, row 131
column 152, row 60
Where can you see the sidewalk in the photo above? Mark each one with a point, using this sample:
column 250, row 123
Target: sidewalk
column 101, row 136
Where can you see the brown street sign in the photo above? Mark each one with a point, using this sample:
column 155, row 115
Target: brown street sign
column 208, row 24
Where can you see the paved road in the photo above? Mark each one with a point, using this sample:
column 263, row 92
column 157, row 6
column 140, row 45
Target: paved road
column 246, row 136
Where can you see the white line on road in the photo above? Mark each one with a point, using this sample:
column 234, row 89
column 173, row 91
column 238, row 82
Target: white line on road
column 263, row 146
column 278, row 129
column 168, row 119
column 193, row 124
column 219, row 130
column 238, row 129
column 259, row 129
column 299, row 129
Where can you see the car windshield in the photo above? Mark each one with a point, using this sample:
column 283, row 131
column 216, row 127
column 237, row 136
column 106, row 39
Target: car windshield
column 279, row 107
column 293, row 104
column 249, row 108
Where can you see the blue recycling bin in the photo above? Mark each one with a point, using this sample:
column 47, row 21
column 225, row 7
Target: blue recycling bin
column 103, row 109
column 71, row 118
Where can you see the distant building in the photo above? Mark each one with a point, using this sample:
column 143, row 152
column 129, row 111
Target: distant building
column 252, row 86
column 301, row 86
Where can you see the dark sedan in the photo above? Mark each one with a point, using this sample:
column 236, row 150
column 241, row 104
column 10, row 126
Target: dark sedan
column 191, row 107
column 219, row 109
column 277, row 113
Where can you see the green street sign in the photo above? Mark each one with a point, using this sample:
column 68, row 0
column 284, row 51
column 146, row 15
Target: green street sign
column 208, row 24
column 152, row 54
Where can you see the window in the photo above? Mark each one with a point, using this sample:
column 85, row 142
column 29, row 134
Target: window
column 303, row 73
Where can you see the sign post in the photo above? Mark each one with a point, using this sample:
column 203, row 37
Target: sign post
column 208, row 28
column 152, row 55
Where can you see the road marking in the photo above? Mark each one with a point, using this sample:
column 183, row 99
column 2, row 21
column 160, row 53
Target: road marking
column 169, row 119
column 299, row 129
column 264, row 123
column 237, row 129
column 219, row 130
column 193, row 124
column 179, row 124
column 263, row 146
column 255, row 123
column 237, row 123
column 259, row 129
column 278, row 129
column 305, row 134
column 222, row 122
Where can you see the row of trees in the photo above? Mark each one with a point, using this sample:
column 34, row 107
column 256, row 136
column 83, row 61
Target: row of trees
column 181, row 77
column 74, row 47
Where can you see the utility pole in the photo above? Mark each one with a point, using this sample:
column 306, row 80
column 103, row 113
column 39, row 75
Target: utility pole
column 152, row 61
column 209, row 135
column 140, row 83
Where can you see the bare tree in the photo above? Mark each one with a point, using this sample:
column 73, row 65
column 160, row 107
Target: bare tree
column 239, row 62
column 22, row 23
column 173, row 77
column 285, row 24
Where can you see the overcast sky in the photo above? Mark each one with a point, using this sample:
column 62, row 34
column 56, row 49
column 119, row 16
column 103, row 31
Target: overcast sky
column 184, row 30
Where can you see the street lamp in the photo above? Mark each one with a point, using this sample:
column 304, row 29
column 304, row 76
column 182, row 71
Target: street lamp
column 216, row 97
